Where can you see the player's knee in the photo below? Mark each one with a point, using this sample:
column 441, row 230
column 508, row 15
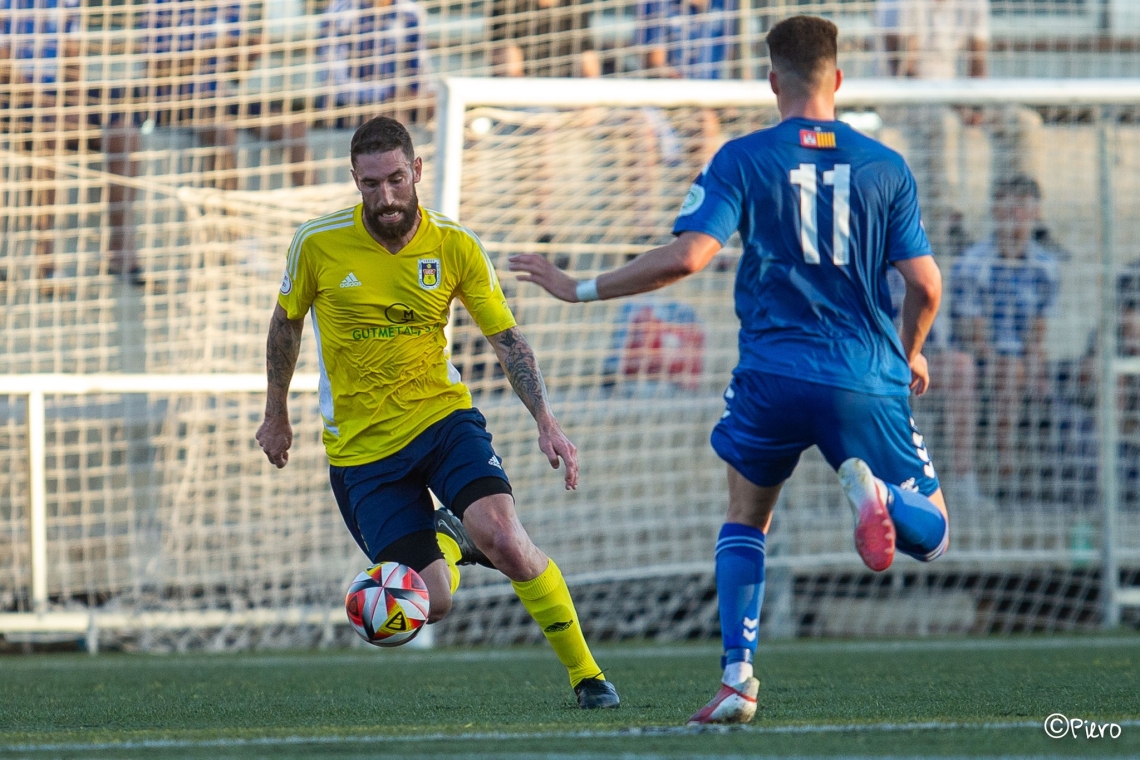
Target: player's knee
column 513, row 553
column 507, row 550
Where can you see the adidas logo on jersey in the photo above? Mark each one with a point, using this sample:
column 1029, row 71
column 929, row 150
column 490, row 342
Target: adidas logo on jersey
column 350, row 281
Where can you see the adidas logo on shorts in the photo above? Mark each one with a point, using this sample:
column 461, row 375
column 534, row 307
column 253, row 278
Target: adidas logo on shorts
column 494, row 461
column 350, row 281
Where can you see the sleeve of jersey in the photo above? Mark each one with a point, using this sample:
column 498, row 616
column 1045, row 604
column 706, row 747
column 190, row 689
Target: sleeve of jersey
column 906, row 238
column 713, row 205
column 299, row 285
column 480, row 291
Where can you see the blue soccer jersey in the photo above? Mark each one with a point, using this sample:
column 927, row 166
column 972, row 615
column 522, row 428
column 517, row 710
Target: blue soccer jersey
column 822, row 211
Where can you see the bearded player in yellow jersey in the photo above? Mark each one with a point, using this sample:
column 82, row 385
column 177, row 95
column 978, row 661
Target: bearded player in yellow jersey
column 378, row 281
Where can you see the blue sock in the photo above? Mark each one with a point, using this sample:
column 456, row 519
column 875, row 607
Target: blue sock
column 740, row 589
column 920, row 528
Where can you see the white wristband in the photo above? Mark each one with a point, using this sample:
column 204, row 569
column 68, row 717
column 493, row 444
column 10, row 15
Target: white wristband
column 587, row 290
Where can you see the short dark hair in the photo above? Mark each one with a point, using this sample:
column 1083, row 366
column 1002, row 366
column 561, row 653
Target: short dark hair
column 1017, row 186
column 804, row 46
column 381, row 135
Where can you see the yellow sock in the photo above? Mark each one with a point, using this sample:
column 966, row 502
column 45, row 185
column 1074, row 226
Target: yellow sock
column 548, row 601
column 452, row 554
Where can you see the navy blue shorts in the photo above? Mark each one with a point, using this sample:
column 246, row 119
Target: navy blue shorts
column 388, row 499
column 769, row 420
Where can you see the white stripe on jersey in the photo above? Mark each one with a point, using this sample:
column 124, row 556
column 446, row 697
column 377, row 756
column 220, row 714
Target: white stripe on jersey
column 334, row 221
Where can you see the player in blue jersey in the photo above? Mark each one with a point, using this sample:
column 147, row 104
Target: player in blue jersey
column 822, row 211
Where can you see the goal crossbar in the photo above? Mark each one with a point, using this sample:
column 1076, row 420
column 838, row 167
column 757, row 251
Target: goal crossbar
column 457, row 94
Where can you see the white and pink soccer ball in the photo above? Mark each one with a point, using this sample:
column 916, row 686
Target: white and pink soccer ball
column 387, row 604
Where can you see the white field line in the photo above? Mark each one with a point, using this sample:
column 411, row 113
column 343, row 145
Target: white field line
column 612, row 653
column 649, row 731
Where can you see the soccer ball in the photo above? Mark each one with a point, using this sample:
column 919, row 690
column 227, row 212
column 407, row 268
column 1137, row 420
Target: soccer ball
column 387, row 604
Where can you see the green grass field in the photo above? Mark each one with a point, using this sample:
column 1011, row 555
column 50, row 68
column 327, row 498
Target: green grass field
column 978, row 697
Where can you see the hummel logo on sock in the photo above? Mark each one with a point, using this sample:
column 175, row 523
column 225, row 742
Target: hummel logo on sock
column 350, row 281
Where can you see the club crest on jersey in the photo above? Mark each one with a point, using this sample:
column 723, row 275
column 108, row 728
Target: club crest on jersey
column 809, row 138
column 429, row 274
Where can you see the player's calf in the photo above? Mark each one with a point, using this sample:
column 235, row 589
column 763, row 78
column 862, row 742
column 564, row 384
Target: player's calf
column 437, row 578
column 540, row 587
column 894, row 518
column 923, row 531
column 497, row 533
column 420, row 551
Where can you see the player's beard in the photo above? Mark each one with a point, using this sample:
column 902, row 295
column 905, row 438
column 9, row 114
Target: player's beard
column 393, row 231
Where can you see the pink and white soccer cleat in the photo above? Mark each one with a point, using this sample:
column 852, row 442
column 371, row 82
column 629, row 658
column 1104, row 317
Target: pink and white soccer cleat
column 732, row 704
column 874, row 529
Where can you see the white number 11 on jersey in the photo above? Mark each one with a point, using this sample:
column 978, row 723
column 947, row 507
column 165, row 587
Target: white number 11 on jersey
column 840, row 179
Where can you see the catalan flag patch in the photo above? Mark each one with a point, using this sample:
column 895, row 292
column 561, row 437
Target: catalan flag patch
column 809, row 138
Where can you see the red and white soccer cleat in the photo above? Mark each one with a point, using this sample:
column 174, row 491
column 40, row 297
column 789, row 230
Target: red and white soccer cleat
column 874, row 529
column 732, row 704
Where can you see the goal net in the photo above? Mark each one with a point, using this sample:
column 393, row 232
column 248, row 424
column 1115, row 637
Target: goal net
column 165, row 527
column 1028, row 198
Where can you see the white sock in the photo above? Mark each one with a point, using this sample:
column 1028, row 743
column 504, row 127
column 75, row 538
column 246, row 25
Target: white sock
column 737, row 672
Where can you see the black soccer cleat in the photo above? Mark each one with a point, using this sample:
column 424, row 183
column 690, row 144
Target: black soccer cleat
column 596, row 693
column 449, row 524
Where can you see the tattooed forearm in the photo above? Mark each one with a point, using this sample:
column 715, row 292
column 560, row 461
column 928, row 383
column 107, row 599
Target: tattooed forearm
column 281, row 351
column 521, row 366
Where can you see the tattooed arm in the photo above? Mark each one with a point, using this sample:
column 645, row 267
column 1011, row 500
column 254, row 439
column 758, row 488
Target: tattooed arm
column 282, row 349
column 521, row 366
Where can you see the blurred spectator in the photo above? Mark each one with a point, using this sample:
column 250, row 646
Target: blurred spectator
column 689, row 39
column 194, row 50
column 549, row 34
column 1080, row 440
column 686, row 38
column 641, row 146
column 589, row 65
column 951, row 400
column 39, row 44
column 1002, row 290
column 926, row 39
column 374, row 50
column 508, row 61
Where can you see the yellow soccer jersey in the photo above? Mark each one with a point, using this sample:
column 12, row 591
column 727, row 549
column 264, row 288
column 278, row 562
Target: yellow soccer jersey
column 378, row 319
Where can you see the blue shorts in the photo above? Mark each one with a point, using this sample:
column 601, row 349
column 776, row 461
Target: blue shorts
column 769, row 420
column 388, row 499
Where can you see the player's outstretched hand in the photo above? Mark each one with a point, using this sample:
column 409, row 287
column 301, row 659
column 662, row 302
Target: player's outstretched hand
column 556, row 445
column 919, row 375
column 544, row 274
column 276, row 436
